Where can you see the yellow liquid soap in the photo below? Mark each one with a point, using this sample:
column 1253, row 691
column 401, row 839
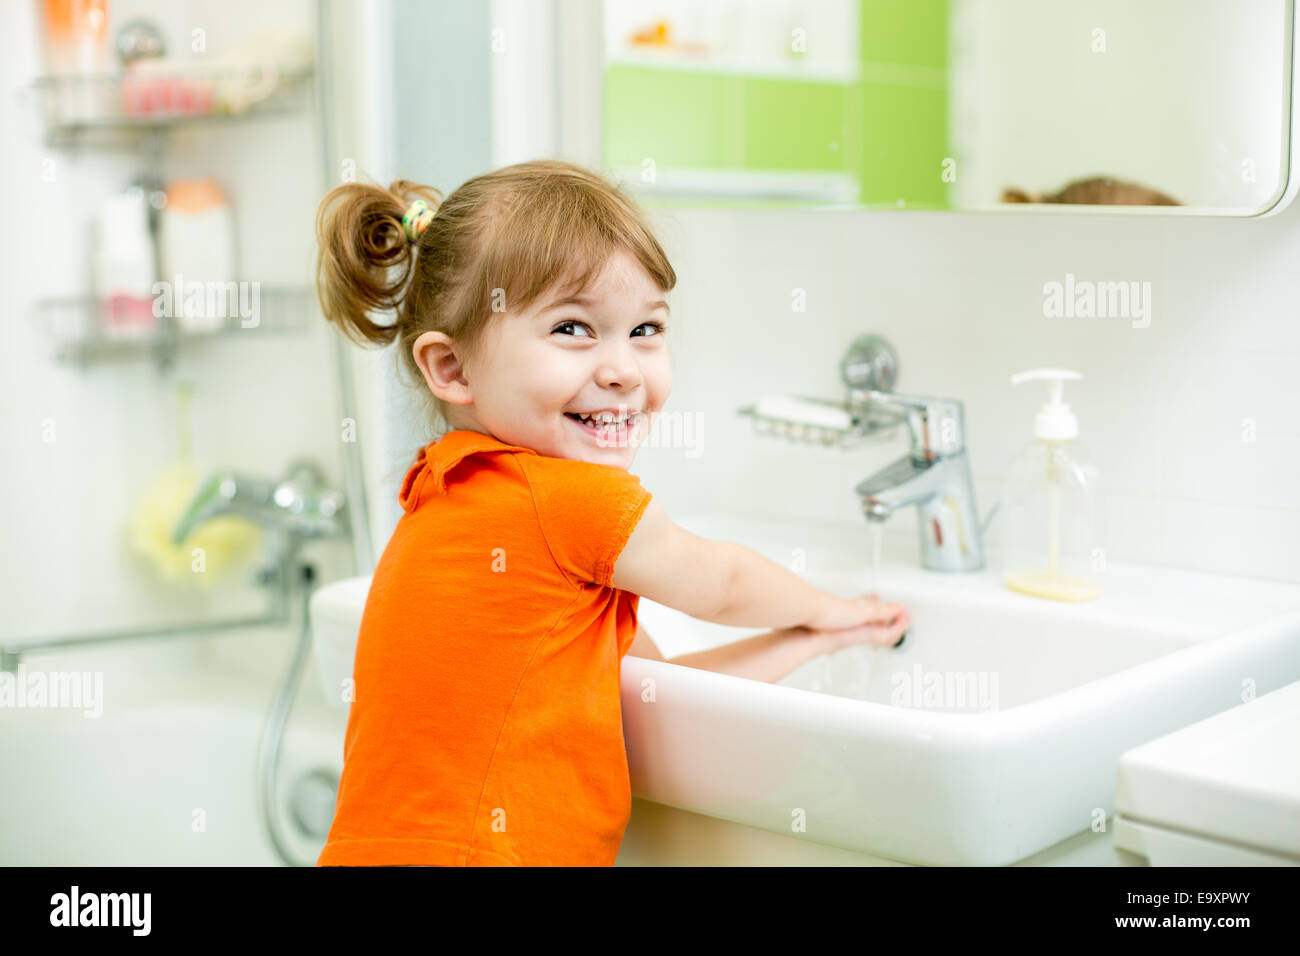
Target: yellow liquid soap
column 1051, row 583
column 1048, row 584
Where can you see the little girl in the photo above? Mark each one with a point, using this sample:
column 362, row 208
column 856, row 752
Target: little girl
column 486, row 727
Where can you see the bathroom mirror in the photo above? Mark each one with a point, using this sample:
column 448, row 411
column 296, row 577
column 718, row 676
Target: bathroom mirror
column 1158, row 106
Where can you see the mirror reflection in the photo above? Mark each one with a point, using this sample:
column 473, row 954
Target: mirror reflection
column 1171, row 106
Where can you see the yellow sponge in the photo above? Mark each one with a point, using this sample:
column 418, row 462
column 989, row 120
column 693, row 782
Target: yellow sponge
column 211, row 549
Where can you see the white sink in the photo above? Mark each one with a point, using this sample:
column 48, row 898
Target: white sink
column 994, row 732
column 947, row 779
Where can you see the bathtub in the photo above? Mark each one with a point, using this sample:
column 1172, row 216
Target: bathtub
column 166, row 775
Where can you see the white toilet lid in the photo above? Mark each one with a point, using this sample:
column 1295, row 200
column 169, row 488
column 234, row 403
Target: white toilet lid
column 1233, row 777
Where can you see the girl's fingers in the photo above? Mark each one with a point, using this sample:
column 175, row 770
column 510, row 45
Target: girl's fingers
column 885, row 613
column 891, row 636
column 876, row 611
column 882, row 637
column 887, row 635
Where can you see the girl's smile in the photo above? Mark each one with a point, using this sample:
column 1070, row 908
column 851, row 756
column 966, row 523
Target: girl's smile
column 578, row 376
column 610, row 427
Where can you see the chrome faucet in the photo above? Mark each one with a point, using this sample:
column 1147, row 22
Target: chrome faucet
column 299, row 503
column 935, row 477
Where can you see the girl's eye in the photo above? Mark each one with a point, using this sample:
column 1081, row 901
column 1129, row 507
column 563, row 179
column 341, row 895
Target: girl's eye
column 657, row 326
column 574, row 322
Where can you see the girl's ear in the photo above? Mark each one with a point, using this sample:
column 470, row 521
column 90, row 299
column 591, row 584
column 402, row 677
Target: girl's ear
column 436, row 357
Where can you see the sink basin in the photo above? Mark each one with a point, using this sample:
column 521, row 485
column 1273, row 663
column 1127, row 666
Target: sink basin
column 993, row 733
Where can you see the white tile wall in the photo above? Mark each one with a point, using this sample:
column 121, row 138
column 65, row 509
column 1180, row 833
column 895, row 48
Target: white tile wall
column 1166, row 410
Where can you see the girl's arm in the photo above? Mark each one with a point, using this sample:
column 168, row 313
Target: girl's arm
column 766, row 657
column 771, row 656
column 726, row 583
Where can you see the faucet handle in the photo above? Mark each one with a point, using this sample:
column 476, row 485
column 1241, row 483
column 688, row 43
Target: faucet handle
column 936, row 425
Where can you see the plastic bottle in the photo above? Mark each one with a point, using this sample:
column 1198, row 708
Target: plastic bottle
column 197, row 239
column 1052, row 544
column 122, row 265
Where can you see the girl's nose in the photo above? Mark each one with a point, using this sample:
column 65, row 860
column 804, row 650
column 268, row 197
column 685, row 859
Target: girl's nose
column 619, row 370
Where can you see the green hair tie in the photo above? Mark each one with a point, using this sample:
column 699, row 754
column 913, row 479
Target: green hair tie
column 417, row 219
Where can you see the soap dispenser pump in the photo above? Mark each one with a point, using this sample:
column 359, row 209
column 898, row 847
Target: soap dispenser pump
column 1051, row 510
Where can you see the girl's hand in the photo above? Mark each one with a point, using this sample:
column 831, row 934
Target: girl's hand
column 863, row 620
column 878, row 635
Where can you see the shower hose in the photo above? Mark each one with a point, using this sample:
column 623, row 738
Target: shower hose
column 273, row 730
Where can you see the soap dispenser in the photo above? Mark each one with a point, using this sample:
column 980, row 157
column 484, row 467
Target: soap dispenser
column 1052, row 522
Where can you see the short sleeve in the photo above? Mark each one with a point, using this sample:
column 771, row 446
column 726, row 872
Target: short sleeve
column 587, row 512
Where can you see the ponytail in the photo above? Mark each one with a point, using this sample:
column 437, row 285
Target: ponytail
column 365, row 261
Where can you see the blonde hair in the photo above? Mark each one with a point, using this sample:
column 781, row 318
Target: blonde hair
column 513, row 232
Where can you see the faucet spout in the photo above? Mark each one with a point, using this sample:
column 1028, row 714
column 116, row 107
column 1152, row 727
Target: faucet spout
column 877, row 511
column 898, row 485
column 943, row 494
column 212, row 498
column 299, row 503
column 935, row 478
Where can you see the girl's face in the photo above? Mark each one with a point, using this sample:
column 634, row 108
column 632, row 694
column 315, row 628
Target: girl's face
column 601, row 352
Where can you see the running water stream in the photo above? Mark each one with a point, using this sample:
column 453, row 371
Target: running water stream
column 846, row 672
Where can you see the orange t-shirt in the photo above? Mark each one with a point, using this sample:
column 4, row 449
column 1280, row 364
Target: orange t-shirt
column 486, row 726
